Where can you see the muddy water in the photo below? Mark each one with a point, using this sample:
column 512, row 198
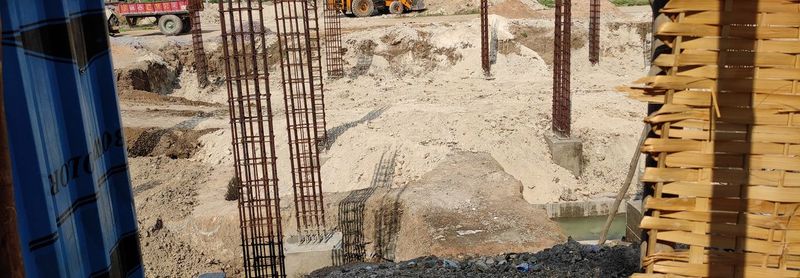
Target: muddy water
column 588, row 228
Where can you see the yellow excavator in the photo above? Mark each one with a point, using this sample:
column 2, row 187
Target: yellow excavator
column 365, row 8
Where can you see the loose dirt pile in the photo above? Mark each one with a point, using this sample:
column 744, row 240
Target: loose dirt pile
column 467, row 198
column 570, row 259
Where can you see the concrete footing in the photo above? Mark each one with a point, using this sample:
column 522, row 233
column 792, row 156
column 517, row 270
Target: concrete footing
column 634, row 216
column 566, row 152
column 303, row 258
column 598, row 207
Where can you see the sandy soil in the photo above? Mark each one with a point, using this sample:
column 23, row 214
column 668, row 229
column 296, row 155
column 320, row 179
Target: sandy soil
column 414, row 89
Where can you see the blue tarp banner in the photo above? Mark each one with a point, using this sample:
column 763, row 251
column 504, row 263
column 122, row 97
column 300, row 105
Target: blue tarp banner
column 73, row 195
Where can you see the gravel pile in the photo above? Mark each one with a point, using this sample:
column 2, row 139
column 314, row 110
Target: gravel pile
column 570, row 259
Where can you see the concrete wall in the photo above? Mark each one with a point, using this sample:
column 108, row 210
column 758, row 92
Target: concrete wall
column 581, row 209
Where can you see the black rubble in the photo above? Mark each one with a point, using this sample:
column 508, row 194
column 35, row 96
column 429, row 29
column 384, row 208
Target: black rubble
column 570, row 259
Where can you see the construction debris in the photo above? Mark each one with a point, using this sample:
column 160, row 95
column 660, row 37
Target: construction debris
column 250, row 111
column 570, row 259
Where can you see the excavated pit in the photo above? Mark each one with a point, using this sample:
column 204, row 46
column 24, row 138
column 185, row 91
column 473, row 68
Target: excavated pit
column 175, row 143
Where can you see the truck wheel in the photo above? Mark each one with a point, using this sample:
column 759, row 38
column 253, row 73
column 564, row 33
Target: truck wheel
column 170, row 24
column 396, row 7
column 363, row 8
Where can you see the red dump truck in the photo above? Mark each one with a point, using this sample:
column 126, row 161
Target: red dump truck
column 172, row 16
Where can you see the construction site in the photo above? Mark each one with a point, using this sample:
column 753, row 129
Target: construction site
column 487, row 138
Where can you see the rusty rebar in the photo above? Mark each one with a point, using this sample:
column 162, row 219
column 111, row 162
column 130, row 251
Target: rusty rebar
column 485, row 64
column 316, row 71
column 594, row 32
column 333, row 40
column 561, row 69
column 297, row 72
column 200, row 64
column 252, row 134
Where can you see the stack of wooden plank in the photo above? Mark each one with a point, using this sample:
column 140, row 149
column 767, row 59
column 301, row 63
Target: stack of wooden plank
column 726, row 178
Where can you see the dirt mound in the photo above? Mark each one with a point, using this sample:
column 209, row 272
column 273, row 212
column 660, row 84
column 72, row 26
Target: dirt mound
column 466, row 205
column 407, row 51
column 581, row 9
column 516, row 8
column 151, row 76
column 503, row 7
column 166, row 193
column 172, row 142
column 570, row 259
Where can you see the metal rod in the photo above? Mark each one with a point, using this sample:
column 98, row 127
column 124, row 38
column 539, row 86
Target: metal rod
column 485, row 64
column 316, row 71
column 200, row 64
column 561, row 69
column 333, row 39
column 594, row 32
column 299, row 76
column 252, row 134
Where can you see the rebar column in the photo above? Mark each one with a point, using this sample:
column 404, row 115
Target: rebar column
column 316, row 71
column 200, row 64
column 297, row 72
column 561, row 69
column 486, row 65
column 333, row 39
column 247, row 79
column 594, row 32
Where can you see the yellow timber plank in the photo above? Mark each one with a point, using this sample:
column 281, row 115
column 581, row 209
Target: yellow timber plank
column 701, row 160
column 676, row 6
column 712, row 58
column 670, row 29
column 680, row 83
column 713, row 72
column 655, row 145
column 725, row 176
column 718, row 204
column 741, row 17
column 764, row 46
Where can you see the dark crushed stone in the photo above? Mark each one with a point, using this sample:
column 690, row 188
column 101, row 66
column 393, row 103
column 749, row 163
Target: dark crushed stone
column 570, row 259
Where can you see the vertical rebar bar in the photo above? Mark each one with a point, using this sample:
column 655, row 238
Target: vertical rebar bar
column 252, row 134
column 594, row 32
column 200, row 64
column 297, row 72
column 486, row 65
column 316, row 71
column 333, row 39
column 561, row 69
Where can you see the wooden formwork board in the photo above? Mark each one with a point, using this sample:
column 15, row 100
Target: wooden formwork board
column 726, row 141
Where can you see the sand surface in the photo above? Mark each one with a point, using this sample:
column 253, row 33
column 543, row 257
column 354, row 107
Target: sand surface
column 413, row 88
